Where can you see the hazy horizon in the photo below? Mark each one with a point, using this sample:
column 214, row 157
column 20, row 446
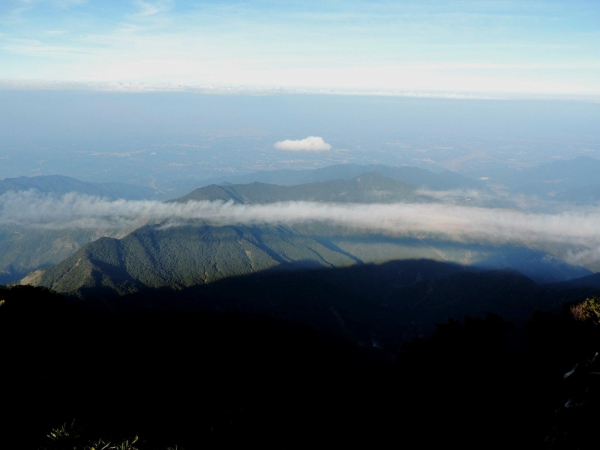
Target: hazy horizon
column 159, row 138
column 154, row 92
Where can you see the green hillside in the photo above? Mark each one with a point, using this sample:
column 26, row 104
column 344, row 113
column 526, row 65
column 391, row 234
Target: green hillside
column 183, row 256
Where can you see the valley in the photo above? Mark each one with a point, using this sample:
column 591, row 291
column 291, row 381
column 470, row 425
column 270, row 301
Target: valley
column 372, row 303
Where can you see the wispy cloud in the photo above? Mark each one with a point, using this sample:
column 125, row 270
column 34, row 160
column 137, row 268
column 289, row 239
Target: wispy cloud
column 309, row 144
column 151, row 8
column 40, row 49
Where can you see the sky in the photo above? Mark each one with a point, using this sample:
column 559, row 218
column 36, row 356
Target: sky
column 456, row 48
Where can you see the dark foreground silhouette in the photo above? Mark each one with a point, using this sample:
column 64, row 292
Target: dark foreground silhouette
column 210, row 380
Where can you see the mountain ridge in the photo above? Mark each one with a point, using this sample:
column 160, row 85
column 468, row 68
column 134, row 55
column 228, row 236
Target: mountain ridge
column 368, row 187
column 421, row 178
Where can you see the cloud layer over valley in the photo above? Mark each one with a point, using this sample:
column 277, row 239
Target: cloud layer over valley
column 578, row 227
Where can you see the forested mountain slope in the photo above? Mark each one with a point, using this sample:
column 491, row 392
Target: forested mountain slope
column 183, row 256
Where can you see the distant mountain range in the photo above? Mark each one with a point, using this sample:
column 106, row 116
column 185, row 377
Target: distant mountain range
column 588, row 281
column 573, row 181
column 59, row 185
column 369, row 187
column 420, row 178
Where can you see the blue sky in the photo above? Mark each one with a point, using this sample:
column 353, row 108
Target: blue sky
column 454, row 48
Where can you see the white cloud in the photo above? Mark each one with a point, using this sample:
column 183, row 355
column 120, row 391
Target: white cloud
column 309, row 144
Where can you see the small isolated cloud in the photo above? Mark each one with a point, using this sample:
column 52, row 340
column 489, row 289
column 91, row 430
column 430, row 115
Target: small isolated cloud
column 309, row 144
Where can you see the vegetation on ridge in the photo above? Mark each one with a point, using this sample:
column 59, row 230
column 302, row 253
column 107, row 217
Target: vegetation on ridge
column 222, row 380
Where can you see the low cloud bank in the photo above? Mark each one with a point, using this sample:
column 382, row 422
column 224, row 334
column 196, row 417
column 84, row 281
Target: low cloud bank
column 437, row 220
column 309, row 144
